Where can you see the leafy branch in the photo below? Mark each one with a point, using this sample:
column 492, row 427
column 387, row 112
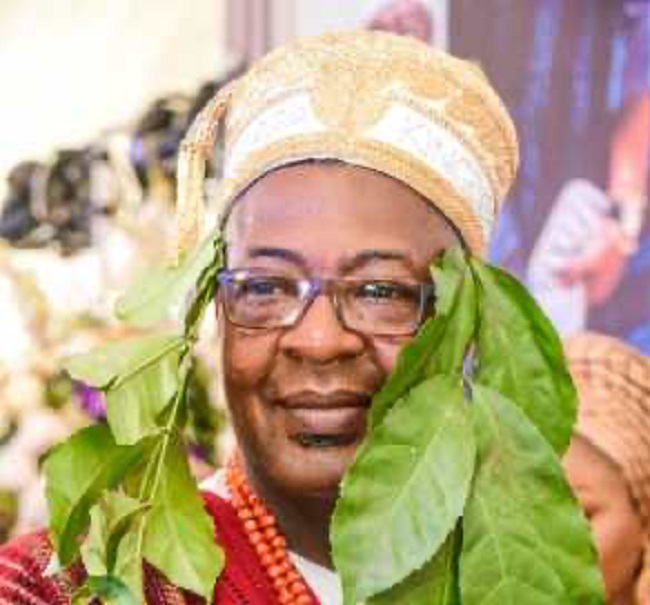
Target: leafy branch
column 115, row 491
column 457, row 496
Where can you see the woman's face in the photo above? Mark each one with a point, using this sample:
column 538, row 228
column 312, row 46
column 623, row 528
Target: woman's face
column 299, row 395
column 606, row 501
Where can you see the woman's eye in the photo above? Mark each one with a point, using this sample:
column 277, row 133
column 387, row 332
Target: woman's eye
column 266, row 287
column 386, row 291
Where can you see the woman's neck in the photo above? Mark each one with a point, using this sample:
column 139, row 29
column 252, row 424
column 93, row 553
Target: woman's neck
column 625, row 597
column 305, row 521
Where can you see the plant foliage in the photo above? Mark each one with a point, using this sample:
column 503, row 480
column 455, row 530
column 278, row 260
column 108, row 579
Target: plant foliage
column 121, row 494
column 456, row 496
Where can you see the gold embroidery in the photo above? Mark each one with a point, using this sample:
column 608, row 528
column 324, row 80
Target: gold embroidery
column 352, row 80
column 362, row 152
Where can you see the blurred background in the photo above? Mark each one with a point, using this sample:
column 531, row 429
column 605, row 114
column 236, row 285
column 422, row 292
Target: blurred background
column 97, row 95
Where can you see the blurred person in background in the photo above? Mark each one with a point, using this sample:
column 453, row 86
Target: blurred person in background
column 576, row 76
column 405, row 18
column 608, row 462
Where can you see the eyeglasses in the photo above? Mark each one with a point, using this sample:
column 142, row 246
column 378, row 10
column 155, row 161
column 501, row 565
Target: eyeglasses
column 381, row 307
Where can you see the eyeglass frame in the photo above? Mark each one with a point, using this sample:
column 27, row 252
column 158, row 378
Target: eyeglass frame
column 317, row 286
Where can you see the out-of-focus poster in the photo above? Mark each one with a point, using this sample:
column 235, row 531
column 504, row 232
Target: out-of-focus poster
column 576, row 78
column 423, row 19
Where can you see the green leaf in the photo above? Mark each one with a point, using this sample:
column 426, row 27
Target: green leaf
column 203, row 294
column 204, row 417
column 109, row 589
column 77, row 472
column 435, row 584
column 110, row 520
column 139, row 375
column 405, row 491
column 159, row 294
column 461, row 312
column 134, row 404
column 179, row 538
column 440, row 345
column 127, row 567
column 120, row 360
column 520, row 355
column 447, row 276
column 525, row 541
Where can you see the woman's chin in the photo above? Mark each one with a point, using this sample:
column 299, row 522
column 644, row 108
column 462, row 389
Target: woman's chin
column 316, row 465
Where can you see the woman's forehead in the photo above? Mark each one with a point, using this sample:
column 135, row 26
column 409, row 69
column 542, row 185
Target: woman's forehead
column 334, row 201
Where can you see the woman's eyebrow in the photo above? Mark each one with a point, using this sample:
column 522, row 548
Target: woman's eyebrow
column 281, row 253
column 365, row 257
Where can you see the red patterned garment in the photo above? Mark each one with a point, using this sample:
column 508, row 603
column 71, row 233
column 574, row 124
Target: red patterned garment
column 243, row 581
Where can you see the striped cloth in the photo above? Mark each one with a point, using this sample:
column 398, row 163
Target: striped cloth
column 243, row 582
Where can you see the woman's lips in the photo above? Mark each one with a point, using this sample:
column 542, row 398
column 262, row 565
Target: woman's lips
column 331, row 421
column 325, row 420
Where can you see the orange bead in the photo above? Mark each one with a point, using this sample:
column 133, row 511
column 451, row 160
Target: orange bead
column 262, row 548
column 267, row 560
column 266, row 521
column 278, row 542
column 303, row 599
column 280, row 583
column 270, row 533
column 255, row 538
column 245, row 513
column 274, row 571
column 285, row 597
column 258, row 510
column 250, row 526
column 297, row 588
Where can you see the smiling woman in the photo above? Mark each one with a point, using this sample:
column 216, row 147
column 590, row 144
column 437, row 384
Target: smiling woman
column 363, row 176
column 312, row 384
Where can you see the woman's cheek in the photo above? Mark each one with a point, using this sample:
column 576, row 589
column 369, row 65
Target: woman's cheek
column 248, row 356
column 387, row 351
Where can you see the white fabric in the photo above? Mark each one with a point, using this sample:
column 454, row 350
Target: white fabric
column 401, row 127
column 437, row 147
column 324, row 582
column 281, row 121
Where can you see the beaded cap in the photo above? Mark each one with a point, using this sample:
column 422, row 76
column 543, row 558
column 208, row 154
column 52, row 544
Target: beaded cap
column 613, row 382
column 370, row 99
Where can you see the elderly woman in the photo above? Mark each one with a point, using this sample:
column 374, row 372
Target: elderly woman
column 353, row 161
column 608, row 462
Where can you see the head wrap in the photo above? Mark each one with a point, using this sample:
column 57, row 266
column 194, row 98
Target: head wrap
column 370, row 99
column 613, row 382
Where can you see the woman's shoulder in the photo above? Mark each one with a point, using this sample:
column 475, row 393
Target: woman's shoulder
column 24, row 561
column 23, row 577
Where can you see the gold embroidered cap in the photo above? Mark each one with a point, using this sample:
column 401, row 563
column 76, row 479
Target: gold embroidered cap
column 370, row 99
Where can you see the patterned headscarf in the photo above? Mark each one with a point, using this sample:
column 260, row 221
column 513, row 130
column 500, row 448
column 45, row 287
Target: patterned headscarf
column 370, row 99
column 613, row 382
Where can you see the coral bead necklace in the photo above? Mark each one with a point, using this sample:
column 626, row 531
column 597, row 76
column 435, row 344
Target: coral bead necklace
column 266, row 539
